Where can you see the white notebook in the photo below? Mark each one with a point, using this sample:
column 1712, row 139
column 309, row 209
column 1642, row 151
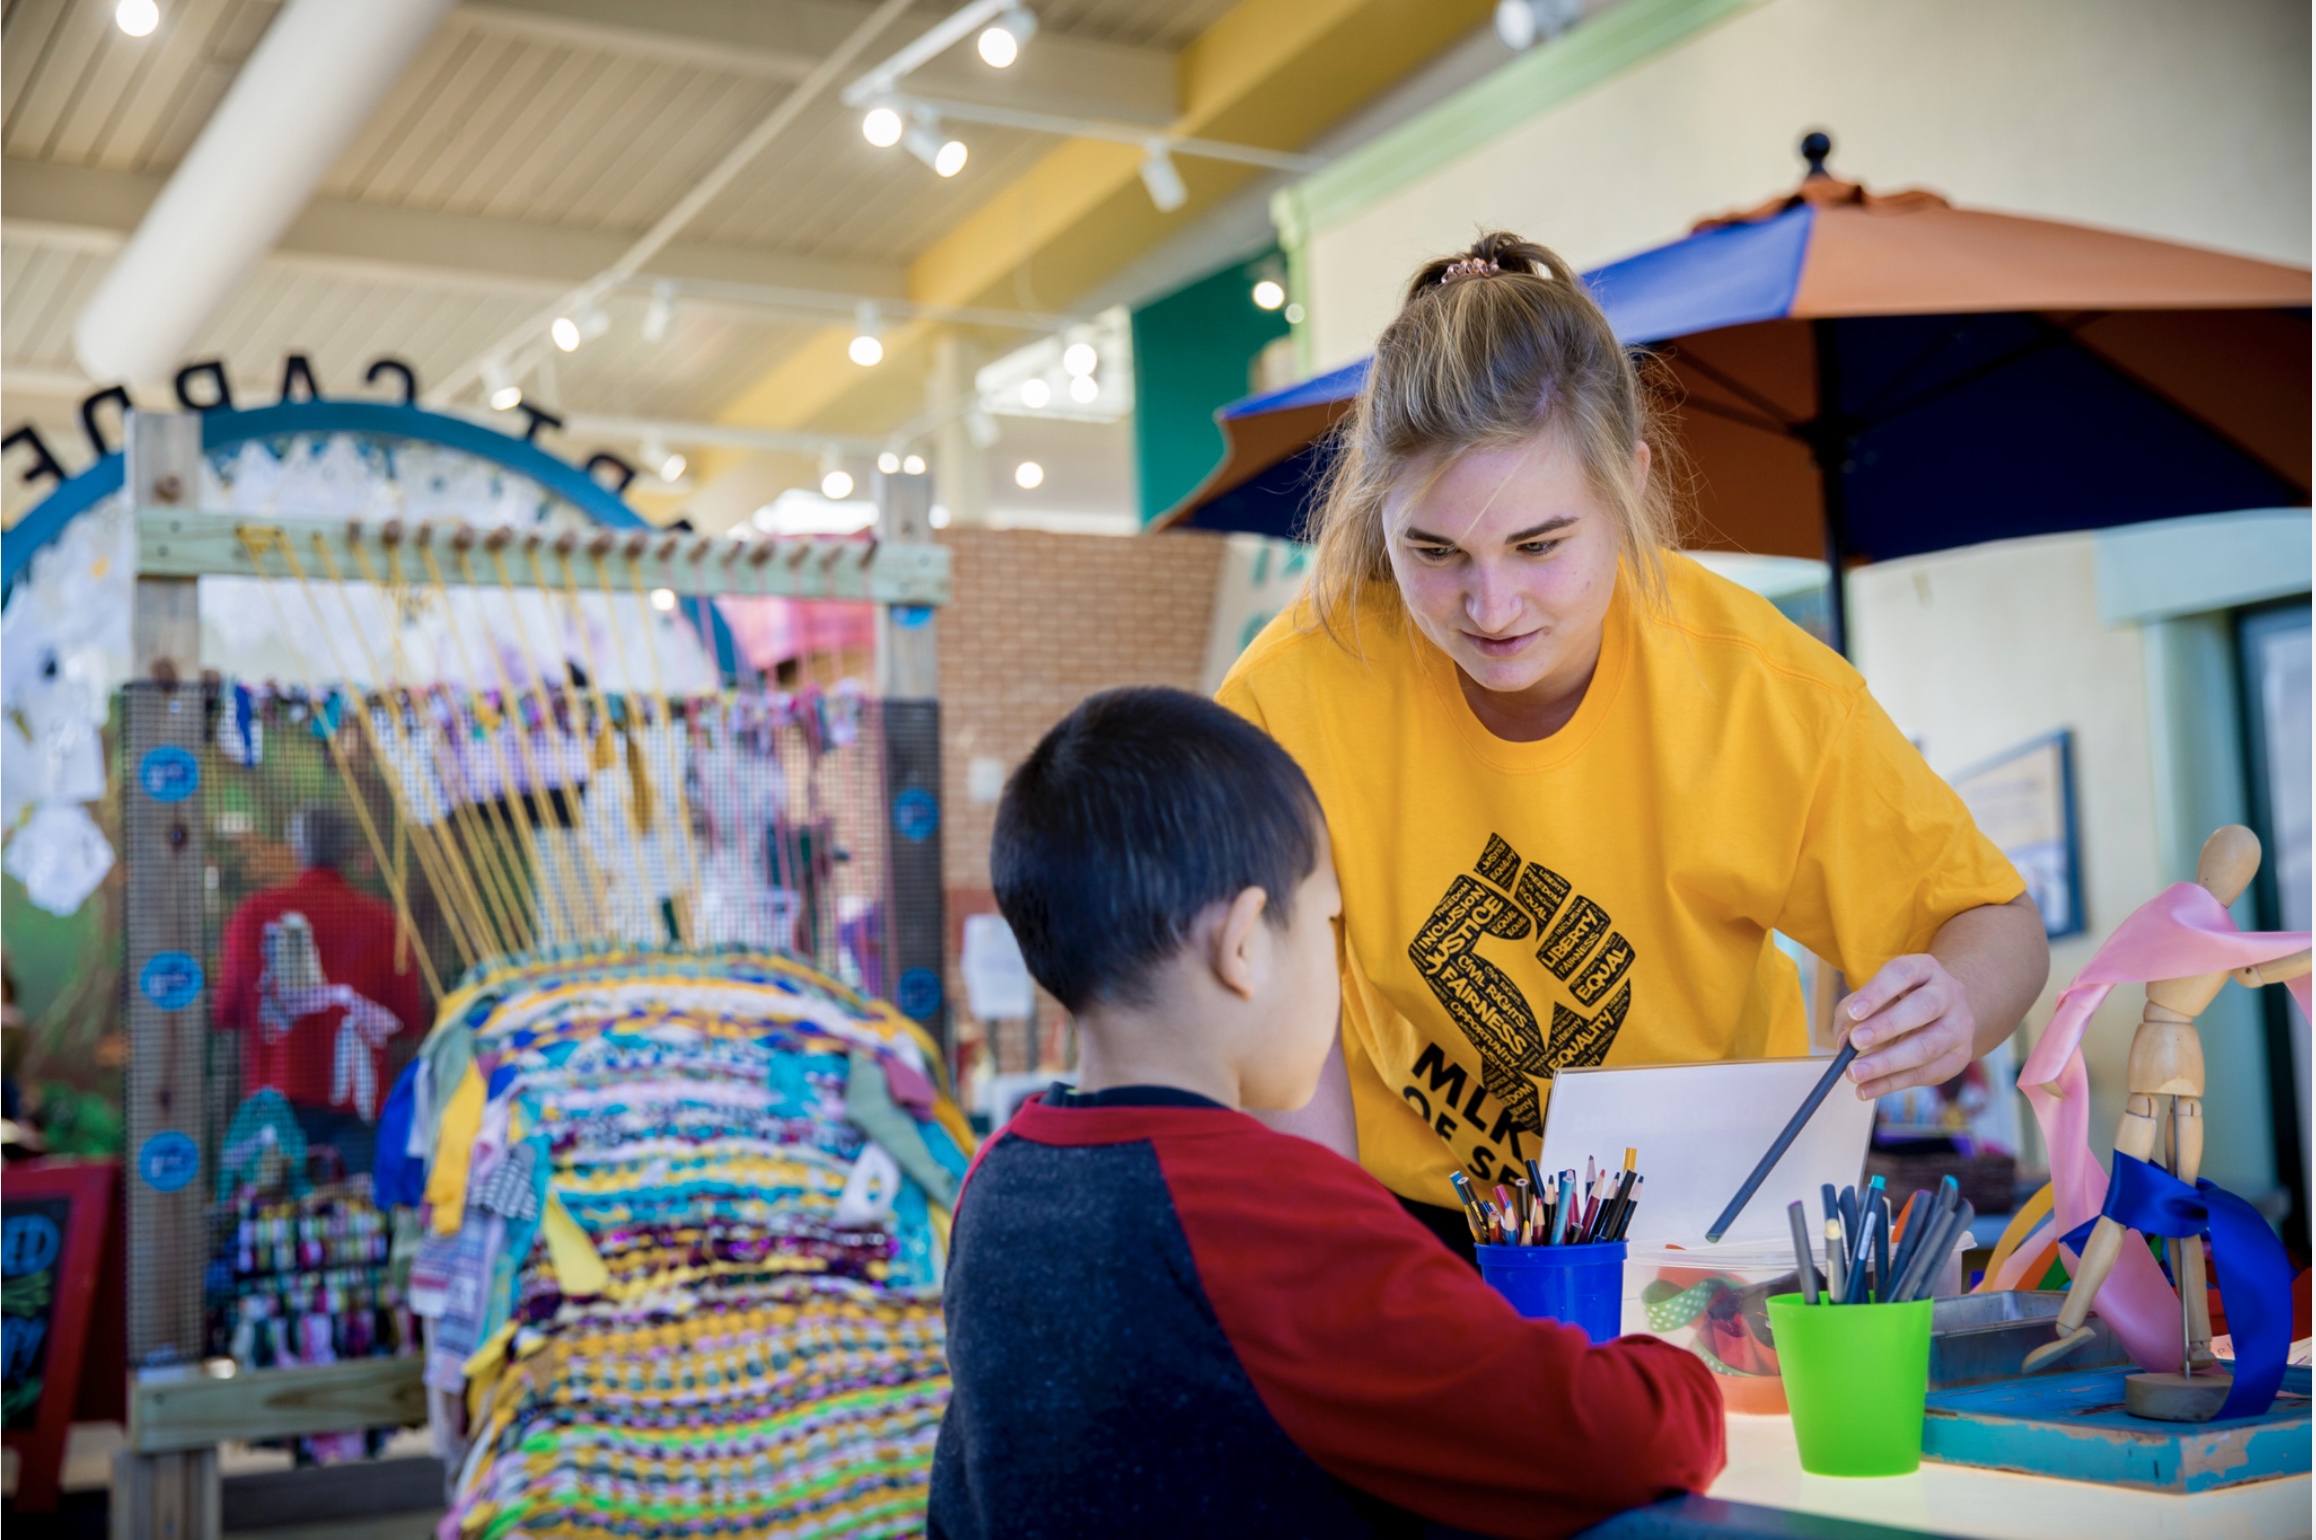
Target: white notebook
column 1699, row 1129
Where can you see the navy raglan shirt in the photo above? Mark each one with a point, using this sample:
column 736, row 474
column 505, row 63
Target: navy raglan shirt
column 1166, row 1319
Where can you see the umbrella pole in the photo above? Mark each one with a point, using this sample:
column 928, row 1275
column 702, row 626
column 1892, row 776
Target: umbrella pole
column 1831, row 442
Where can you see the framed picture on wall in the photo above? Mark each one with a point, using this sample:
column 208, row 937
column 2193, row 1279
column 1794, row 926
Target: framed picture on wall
column 2024, row 800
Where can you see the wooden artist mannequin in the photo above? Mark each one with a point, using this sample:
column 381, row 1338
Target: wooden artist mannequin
column 2167, row 1061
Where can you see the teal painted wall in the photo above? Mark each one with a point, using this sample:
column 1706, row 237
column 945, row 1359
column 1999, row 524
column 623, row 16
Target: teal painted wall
column 1194, row 351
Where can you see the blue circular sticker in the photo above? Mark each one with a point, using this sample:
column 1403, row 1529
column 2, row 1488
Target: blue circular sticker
column 920, row 993
column 171, row 980
column 916, row 815
column 910, row 617
column 169, row 774
column 169, row 1161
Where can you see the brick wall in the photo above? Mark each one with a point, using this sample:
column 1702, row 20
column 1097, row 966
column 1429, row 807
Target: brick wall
column 1039, row 622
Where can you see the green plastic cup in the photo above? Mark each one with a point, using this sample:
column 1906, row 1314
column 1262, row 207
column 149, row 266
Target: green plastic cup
column 1856, row 1377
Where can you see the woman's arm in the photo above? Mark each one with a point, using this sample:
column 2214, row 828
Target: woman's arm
column 1326, row 1118
column 1923, row 1018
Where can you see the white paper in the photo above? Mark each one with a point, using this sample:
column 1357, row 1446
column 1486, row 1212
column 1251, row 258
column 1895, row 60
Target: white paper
column 1699, row 1129
column 997, row 984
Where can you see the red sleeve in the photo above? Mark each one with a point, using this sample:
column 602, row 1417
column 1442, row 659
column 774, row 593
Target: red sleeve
column 238, row 967
column 1399, row 1371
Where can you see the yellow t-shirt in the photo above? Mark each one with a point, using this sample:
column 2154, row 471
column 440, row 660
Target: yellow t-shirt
column 1606, row 894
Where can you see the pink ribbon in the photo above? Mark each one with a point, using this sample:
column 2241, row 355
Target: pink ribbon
column 2183, row 932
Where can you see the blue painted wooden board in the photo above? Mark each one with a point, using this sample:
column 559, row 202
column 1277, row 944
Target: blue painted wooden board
column 2073, row 1426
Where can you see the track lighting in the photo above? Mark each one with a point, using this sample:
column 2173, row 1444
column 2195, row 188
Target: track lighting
column 1000, row 42
column 1162, row 181
column 1085, row 390
column 923, row 140
column 882, row 127
column 660, row 314
column 1035, row 394
column 867, row 348
column 912, row 465
column 1029, row 475
column 1522, row 24
column 1080, row 359
column 835, row 480
column 663, row 599
column 1269, row 294
column 138, row 18
column 568, row 331
column 888, row 464
column 565, row 331
column 505, row 394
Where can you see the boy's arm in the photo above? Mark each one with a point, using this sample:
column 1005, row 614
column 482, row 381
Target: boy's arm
column 1398, row 1370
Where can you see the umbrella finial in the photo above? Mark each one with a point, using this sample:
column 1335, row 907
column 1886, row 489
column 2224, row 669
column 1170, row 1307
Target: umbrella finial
column 1816, row 145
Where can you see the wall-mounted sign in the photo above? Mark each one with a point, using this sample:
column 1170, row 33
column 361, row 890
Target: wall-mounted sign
column 2024, row 801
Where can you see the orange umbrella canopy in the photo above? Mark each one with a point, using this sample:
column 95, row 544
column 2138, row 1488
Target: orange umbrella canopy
column 1867, row 376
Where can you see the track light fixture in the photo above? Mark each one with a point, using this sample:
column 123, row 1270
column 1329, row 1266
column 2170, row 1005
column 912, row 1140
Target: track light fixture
column 1000, row 42
column 882, row 127
column 867, row 348
column 923, row 140
column 659, row 315
column 1160, row 178
column 1522, row 24
column 504, row 394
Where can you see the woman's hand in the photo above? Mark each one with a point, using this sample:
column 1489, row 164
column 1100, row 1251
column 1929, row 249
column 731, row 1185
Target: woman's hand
column 1924, row 1017
column 1913, row 1025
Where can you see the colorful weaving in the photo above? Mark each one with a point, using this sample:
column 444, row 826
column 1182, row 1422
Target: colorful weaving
column 671, row 1286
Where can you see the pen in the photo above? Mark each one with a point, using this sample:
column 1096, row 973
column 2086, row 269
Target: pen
column 1882, row 1280
column 1625, row 1223
column 1621, row 1202
column 1801, row 1256
column 1783, row 1141
column 1567, row 1209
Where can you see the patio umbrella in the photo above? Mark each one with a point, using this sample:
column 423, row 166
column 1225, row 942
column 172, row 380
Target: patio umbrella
column 1864, row 376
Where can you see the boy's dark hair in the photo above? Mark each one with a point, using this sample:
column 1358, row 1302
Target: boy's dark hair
column 1132, row 815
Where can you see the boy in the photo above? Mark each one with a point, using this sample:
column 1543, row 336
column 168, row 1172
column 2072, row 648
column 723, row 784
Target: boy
column 1165, row 1318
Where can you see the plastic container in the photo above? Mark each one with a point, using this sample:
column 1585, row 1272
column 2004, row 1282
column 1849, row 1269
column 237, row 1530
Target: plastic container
column 1857, row 1377
column 1714, row 1301
column 1579, row 1285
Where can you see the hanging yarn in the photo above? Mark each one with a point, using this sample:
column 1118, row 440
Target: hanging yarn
column 640, row 1278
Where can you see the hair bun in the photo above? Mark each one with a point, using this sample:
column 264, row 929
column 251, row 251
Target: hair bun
column 1498, row 251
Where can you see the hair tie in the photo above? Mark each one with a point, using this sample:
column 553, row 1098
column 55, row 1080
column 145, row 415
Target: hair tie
column 1469, row 267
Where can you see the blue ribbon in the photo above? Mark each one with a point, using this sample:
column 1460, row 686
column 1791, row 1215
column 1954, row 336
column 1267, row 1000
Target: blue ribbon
column 2255, row 1274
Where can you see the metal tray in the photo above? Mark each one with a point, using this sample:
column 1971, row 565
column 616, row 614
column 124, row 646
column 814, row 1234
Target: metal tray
column 1975, row 1338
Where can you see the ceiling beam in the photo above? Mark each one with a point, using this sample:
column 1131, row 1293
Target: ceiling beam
column 1058, row 73
column 1271, row 73
column 96, row 210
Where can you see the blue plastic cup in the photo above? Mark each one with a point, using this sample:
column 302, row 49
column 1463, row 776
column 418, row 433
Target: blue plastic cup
column 1578, row 1285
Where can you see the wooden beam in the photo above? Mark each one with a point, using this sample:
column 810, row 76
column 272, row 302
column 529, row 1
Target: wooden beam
column 184, row 546
column 200, row 1412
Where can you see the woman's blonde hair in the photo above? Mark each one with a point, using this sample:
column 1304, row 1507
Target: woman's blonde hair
column 1494, row 346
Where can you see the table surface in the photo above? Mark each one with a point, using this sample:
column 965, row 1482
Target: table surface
column 1765, row 1469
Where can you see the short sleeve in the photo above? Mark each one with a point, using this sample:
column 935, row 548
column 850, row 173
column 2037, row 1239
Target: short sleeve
column 1888, row 854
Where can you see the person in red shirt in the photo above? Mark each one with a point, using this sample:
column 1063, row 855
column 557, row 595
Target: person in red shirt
column 309, row 978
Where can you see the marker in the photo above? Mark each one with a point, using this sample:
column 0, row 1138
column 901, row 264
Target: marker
column 1837, row 1273
column 1625, row 1223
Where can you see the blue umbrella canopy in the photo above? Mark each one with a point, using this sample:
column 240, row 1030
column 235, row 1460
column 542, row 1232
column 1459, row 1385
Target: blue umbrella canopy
column 1864, row 377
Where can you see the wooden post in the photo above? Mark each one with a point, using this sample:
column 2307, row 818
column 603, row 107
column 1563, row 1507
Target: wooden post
column 165, row 1496
column 908, row 679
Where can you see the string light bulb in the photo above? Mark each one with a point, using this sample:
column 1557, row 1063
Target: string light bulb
column 137, row 18
column 1000, row 42
column 882, row 127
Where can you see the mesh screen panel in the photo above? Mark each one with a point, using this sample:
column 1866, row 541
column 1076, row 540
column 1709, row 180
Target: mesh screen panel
column 297, row 896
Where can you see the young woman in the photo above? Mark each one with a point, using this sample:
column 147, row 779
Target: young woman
column 1574, row 780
